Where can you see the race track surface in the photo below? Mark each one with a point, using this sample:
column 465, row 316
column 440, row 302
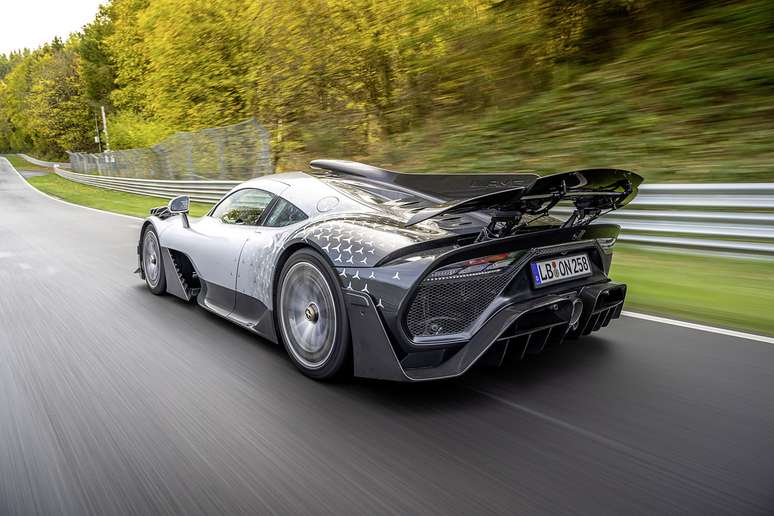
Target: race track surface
column 115, row 401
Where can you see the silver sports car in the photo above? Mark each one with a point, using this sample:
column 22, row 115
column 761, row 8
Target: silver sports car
column 408, row 277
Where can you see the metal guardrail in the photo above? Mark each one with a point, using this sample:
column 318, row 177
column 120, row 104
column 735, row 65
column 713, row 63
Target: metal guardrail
column 41, row 163
column 728, row 217
column 201, row 191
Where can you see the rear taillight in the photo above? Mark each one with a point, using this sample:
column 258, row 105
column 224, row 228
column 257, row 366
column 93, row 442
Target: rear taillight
column 475, row 266
column 606, row 244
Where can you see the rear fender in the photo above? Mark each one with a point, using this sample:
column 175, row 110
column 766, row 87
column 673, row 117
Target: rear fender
column 363, row 240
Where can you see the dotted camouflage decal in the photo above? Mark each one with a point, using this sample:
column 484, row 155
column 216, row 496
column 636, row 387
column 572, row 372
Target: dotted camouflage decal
column 386, row 286
column 257, row 265
column 363, row 242
column 353, row 245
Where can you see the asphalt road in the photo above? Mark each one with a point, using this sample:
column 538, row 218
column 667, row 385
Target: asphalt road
column 114, row 401
column 32, row 173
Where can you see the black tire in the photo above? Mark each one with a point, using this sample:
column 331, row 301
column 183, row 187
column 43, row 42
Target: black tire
column 311, row 318
column 153, row 262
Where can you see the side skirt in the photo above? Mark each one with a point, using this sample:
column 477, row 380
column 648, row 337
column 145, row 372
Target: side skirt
column 255, row 316
column 248, row 312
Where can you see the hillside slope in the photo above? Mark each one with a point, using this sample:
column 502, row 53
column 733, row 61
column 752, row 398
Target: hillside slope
column 691, row 103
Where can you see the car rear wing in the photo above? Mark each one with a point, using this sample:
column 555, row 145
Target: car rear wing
column 591, row 191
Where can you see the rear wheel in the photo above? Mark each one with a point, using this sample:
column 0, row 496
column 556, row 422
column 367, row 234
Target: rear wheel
column 311, row 317
column 152, row 262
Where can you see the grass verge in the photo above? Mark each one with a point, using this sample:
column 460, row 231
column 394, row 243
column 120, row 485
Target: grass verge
column 108, row 200
column 727, row 292
column 22, row 164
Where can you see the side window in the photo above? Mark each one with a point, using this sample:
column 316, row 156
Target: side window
column 243, row 207
column 283, row 214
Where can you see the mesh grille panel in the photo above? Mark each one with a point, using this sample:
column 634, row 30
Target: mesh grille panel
column 447, row 307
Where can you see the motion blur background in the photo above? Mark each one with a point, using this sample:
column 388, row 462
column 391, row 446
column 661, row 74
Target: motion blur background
column 678, row 91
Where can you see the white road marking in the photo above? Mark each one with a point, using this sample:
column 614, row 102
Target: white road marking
column 700, row 327
column 663, row 464
column 617, row 445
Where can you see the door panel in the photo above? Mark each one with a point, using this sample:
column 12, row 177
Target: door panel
column 257, row 263
column 214, row 249
column 214, row 243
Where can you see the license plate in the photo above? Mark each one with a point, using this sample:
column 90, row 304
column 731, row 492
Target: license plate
column 560, row 269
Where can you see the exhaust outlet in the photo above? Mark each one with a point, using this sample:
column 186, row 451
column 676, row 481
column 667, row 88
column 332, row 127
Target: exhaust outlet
column 577, row 311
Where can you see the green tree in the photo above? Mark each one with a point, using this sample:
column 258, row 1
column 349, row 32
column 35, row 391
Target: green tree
column 42, row 106
column 96, row 66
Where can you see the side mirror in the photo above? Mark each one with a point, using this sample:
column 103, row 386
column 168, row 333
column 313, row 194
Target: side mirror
column 179, row 205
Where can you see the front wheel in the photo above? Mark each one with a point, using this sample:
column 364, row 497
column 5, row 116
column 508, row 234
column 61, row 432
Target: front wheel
column 311, row 316
column 152, row 262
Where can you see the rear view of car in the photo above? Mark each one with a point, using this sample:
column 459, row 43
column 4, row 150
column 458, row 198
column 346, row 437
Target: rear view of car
column 405, row 277
column 504, row 278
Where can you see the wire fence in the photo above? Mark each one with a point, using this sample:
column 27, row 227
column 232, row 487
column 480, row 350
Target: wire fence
column 232, row 152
